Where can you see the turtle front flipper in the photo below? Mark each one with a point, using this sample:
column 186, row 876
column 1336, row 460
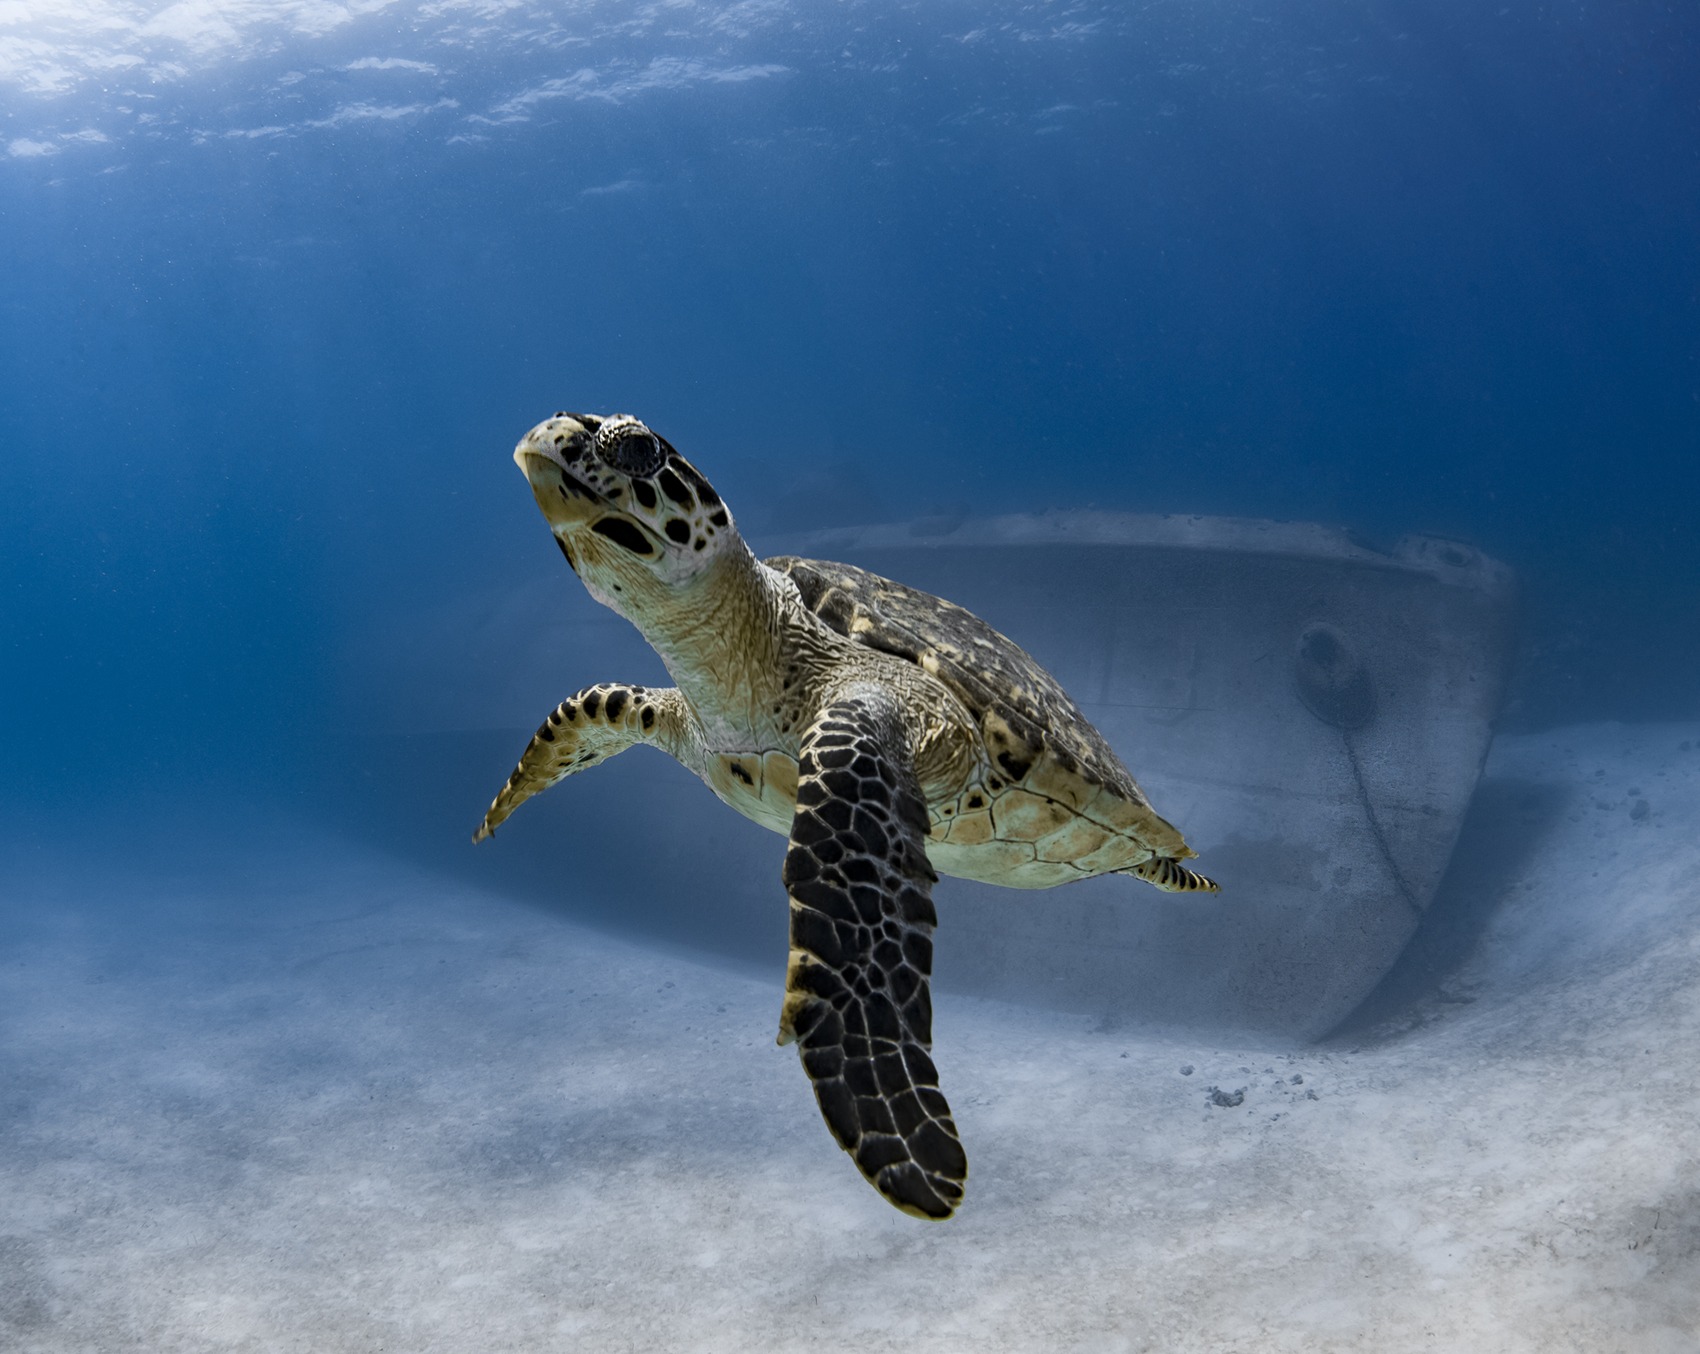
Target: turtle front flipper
column 581, row 732
column 857, row 1001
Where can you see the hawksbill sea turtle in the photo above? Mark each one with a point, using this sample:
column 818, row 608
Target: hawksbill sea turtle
column 888, row 734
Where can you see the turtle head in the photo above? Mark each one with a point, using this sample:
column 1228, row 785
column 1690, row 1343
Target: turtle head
column 626, row 509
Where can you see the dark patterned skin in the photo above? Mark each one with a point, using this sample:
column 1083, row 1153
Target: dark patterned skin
column 861, row 952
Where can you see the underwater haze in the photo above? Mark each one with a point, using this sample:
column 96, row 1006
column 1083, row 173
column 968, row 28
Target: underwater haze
column 286, row 1064
column 284, row 284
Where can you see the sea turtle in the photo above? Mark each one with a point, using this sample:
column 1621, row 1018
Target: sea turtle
column 887, row 733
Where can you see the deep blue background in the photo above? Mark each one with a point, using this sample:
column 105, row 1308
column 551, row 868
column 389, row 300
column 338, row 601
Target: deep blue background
column 1406, row 267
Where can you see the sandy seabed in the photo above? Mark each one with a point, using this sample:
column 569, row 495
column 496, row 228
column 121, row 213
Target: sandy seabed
column 295, row 1095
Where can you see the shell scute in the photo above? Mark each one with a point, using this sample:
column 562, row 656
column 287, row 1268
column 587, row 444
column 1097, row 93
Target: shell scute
column 1019, row 815
column 1055, row 779
column 1075, row 840
column 1001, row 859
column 1023, row 712
column 974, row 828
column 1117, row 853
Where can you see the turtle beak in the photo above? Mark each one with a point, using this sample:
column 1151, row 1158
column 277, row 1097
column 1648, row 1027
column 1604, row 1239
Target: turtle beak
column 564, row 501
column 533, row 456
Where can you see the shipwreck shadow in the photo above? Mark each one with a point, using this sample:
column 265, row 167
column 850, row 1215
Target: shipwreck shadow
column 1506, row 824
column 608, row 853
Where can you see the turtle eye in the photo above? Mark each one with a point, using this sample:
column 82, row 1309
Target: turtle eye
column 629, row 447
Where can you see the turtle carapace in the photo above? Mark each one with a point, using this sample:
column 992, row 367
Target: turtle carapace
column 886, row 733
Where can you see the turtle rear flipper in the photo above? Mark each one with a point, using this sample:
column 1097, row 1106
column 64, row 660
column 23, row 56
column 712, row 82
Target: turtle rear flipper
column 1171, row 876
column 857, row 1001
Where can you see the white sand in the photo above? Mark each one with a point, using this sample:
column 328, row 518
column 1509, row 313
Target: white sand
column 301, row 1097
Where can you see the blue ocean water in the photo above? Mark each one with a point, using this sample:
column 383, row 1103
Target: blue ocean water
column 282, row 283
column 279, row 293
